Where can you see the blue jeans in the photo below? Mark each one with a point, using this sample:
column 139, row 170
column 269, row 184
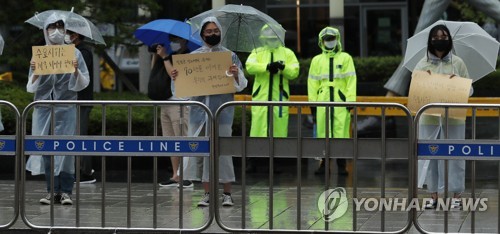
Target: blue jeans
column 63, row 183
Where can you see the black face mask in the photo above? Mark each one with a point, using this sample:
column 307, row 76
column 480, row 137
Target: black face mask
column 212, row 39
column 440, row 45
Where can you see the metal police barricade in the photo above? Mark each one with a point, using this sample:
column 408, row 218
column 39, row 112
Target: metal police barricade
column 312, row 204
column 103, row 206
column 479, row 143
column 9, row 150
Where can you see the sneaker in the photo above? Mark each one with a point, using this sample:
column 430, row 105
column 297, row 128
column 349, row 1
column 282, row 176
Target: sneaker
column 186, row 184
column 456, row 203
column 87, row 179
column 66, row 199
column 169, row 183
column 227, row 200
column 204, row 200
column 431, row 205
column 47, row 199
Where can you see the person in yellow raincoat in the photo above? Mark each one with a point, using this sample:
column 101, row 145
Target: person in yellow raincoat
column 273, row 65
column 332, row 78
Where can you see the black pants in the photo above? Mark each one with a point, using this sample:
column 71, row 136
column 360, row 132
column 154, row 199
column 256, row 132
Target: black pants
column 85, row 161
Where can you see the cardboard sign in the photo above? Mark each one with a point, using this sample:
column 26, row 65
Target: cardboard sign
column 438, row 88
column 203, row 74
column 53, row 59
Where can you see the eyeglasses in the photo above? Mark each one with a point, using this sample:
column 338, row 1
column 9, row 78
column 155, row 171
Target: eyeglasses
column 329, row 38
column 211, row 31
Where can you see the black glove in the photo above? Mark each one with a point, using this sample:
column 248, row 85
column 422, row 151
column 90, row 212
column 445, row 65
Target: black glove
column 272, row 67
column 281, row 65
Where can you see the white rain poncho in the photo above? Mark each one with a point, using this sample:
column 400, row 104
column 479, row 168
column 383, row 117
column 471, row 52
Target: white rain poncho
column 198, row 119
column 56, row 87
column 431, row 128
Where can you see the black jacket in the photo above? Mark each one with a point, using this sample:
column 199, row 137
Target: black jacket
column 88, row 92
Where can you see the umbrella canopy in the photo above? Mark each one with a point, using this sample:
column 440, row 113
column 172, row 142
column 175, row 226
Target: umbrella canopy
column 2, row 42
column 158, row 31
column 476, row 47
column 241, row 26
column 72, row 21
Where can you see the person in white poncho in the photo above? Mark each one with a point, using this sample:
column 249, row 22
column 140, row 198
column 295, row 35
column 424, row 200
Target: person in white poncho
column 441, row 60
column 56, row 87
column 211, row 34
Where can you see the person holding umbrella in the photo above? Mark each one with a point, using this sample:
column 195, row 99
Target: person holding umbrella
column 86, row 171
column 172, row 124
column 211, row 34
column 56, row 87
column 165, row 37
column 439, row 59
column 332, row 78
column 273, row 66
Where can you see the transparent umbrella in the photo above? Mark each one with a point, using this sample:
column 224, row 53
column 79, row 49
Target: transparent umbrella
column 72, row 21
column 476, row 47
column 241, row 26
column 2, row 43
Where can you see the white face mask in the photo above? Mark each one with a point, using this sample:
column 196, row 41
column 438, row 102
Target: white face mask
column 175, row 46
column 330, row 44
column 67, row 39
column 56, row 36
column 273, row 43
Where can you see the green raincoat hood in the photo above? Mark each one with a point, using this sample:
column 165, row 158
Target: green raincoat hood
column 330, row 31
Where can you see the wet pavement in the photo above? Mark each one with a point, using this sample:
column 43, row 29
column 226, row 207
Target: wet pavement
column 369, row 180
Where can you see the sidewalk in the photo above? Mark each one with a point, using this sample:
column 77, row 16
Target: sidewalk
column 257, row 204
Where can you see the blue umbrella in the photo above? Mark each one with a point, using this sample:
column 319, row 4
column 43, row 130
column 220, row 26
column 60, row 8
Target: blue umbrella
column 158, row 31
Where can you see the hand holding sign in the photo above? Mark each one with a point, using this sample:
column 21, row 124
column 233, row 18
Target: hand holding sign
column 53, row 59
column 204, row 74
column 428, row 88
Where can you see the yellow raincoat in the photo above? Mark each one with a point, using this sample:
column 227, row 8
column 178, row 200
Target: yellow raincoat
column 332, row 78
column 269, row 87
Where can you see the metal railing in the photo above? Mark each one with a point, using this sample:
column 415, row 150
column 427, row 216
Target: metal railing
column 9, row 149
column 300, row 147
column 449, row 149
column 106, row 146
column 356, row 148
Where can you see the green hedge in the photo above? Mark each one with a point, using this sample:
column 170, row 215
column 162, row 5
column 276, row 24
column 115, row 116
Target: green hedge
column 370, row 69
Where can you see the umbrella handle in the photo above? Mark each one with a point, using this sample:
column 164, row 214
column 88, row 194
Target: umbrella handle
column 229, row 74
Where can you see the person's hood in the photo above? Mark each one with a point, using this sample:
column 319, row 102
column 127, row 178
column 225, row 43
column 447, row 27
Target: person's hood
column 50, row 20
column 213, row 20
column 330, row 31
column 267, row 33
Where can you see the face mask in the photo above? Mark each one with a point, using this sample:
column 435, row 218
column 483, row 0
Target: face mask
column 67, row 39
column 440, row 45
column 175, row 46
column 56, row 36
column 330, row 44
column 273, row 43
column 212, row 39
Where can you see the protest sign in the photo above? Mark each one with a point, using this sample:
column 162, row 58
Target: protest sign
column 203, row 74
column 438, row 88
column 53, row 59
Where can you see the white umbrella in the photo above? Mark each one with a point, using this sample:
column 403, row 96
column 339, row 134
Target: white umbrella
column 2, row 42
column 476, row 47
column 72, row 21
